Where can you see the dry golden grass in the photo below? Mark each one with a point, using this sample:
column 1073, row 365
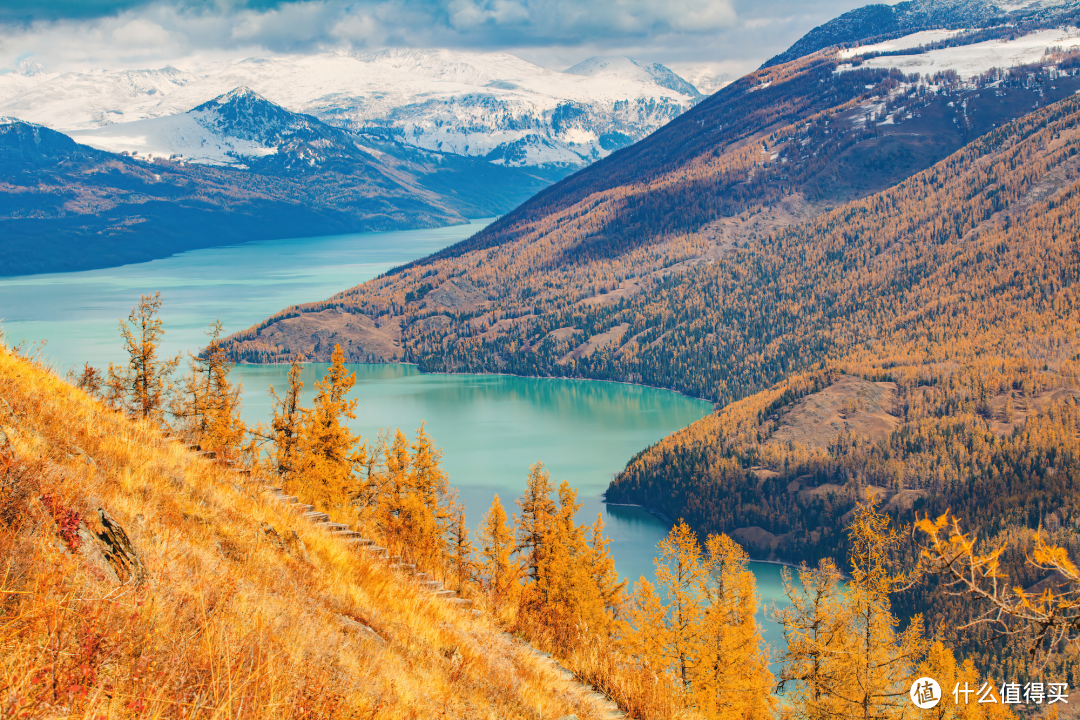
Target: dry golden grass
column 248, row 611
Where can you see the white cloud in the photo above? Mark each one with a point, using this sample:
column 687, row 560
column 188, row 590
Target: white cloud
column 161, row 31
column 552, row 33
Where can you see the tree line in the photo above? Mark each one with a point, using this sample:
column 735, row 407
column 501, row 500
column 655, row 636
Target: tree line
column 688, row 642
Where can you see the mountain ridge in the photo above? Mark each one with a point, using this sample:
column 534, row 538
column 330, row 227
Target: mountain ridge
column 495, row 106
column 878, row 22
column 66, row 206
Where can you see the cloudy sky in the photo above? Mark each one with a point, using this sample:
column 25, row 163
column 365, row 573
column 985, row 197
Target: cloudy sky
column 733, row 35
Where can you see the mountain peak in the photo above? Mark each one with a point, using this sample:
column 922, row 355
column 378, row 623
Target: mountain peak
column 624, row 67
column 29, row 68
column 239, row 95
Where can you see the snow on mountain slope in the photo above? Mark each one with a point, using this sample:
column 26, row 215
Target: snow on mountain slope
column 492, row 105
column 202, row 135
column 969, row 60
column 907, row 42
column 709, row 77
column 623, row 67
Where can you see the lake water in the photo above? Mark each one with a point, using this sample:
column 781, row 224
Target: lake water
column 491, row 427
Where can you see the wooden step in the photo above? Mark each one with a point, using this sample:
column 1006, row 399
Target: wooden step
column 463, row 602
column 404, row 567
column 336, row 526
column 346, row 533
column 358, row 541
column 445, row 593
column 432, row 584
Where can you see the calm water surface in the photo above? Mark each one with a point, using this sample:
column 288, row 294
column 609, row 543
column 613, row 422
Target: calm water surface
column 491, row 427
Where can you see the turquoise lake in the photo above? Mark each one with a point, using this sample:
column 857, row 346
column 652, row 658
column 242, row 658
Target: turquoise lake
column 491, row 427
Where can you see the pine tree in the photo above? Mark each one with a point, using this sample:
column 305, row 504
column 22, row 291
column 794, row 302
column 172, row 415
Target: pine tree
column 669, row 629
column 940, row 664
column 431, row 490
column 560, row 592
column 882, row 659
column 604, row 579
column 844, row 651
column 395, row 485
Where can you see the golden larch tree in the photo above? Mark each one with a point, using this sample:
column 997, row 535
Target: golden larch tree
column 332, row 454
column 501, row 571
column 143, row 386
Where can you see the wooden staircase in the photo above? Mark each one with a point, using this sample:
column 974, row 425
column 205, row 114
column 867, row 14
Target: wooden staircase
column 357, row 540
column 608, row 709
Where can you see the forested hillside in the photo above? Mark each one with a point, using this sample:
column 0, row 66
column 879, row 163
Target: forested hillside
column 543, row 290
column 954, row 298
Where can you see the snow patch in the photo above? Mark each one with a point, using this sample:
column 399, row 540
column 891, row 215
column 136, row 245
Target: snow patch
column 191, row 136
column 972, row 60
column 907, row 42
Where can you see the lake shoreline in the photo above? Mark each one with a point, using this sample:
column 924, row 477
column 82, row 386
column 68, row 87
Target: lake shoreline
column 494, row 374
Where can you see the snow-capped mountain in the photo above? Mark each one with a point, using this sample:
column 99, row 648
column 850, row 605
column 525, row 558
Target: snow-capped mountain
column 491, row 105
column 232, row 129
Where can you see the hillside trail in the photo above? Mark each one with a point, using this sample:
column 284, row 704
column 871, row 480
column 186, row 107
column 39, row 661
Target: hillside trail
column 605, row 707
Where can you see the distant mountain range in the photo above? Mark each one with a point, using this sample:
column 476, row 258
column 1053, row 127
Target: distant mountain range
column 258, row 172
column 487, row 105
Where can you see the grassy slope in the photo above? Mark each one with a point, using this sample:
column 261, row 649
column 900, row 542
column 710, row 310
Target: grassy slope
column 248, row 611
